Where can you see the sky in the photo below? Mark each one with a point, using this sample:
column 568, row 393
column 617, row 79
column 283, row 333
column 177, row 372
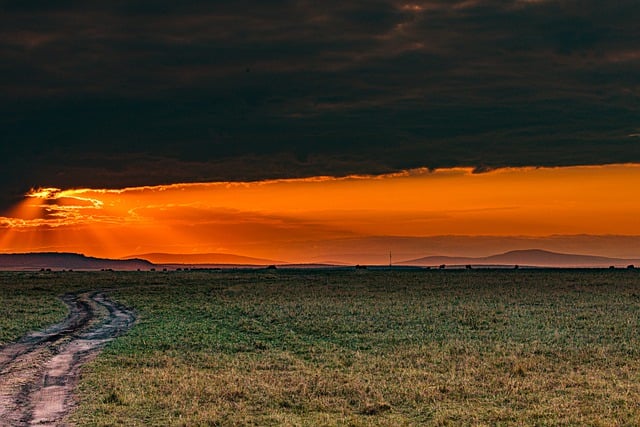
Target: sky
column 419, row 127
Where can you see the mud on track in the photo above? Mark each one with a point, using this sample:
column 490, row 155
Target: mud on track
column 38, row 373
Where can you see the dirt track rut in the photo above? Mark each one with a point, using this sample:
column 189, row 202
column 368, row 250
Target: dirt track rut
column 38, row 373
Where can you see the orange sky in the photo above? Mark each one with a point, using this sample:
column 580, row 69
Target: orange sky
column 287, row 219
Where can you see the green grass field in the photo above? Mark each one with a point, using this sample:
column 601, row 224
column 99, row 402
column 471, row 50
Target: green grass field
column 516, row 347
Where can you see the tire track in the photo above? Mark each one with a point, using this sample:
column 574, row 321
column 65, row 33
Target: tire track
column 38, row 373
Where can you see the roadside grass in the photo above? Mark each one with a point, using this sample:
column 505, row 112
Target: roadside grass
column 374, row 348
column 28, row 302
column 367, row 348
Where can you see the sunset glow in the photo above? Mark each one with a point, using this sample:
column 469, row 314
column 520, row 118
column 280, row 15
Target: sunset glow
column 287, row 219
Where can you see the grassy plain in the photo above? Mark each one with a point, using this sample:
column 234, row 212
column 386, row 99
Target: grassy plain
column 517, row 347
column 27, row 304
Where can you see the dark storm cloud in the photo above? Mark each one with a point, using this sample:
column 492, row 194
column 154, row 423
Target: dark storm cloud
column 142, row 92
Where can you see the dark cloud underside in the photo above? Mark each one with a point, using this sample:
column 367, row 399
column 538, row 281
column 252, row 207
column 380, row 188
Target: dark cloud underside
column 143, row 92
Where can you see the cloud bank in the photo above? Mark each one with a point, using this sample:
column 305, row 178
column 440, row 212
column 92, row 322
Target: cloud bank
column 124, row 93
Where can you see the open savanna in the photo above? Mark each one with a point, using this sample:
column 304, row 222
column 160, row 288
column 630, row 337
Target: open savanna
column 364, row 347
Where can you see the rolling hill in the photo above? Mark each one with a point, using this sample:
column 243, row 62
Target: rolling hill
column 61, row 260
column 202, row 259
column 528, row 257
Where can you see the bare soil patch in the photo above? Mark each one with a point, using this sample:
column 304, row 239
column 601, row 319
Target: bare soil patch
column 39, row 372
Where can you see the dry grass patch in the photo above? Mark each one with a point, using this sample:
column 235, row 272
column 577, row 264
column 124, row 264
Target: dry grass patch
column 343, row 348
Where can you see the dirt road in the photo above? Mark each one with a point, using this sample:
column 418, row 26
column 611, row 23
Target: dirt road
column 39, row 372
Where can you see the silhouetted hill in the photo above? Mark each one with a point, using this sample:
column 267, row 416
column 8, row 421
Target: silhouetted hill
column 528, row 257
column 202, row 259
column 61, row 260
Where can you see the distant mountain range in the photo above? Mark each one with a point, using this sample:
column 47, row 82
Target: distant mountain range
column 71, row 261
column 202, row 259
column 58, row 261
column 529, row 257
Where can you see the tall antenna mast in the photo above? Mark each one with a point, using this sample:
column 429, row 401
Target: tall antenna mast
column 389, row 258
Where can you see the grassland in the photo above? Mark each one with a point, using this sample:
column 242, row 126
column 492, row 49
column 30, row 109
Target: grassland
column 26, row 304
column 357, row 347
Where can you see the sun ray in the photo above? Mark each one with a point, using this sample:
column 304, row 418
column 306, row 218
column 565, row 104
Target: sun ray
column 267, row 217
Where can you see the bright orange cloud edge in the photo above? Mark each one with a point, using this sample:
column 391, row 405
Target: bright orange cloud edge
column 256, row 217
